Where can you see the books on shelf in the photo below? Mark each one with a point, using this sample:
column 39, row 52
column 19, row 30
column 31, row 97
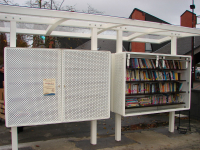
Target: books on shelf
column 139, row 88
column 151, row 63
column 151, row 75
column 142, row 63
column 131, row 102
column 153, row 100
column 144, row 101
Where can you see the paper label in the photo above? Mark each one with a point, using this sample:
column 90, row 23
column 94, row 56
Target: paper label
column 49, row 87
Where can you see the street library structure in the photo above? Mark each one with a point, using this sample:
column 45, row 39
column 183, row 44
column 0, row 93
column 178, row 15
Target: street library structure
column 71, row 82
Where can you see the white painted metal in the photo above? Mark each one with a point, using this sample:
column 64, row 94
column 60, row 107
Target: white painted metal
column 86, row 81
column 171, row 121
column 12, row 44
column 108, row 28
column 25, row 70
column 119, row 84
column 13, row 34
column 92, row 18
column 93, row 128
column 93, row 132
column 52, row 27
column 119, row 41
column 103, row 23
column 94, row 39
column 117, row 127
column 172, row 114
column 174, row 45
column 118, row 103
column 14, row 139
column 85, row 86
column 112, row 82
column 165, row 39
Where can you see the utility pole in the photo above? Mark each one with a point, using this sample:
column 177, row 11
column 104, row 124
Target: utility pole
column 40, row 3
column 192, row 44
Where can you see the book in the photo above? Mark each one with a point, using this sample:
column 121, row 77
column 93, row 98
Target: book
column 152, row 63
column 141, row 75
column 137, row 75
column 136, row 63
column 176, row 76
column 180, row 86
column 134, row 89
column 133, row 75
column 128, row 75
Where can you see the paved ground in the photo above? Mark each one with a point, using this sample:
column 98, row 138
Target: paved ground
column 138, row 133
column 147, row 132
column 196, row 85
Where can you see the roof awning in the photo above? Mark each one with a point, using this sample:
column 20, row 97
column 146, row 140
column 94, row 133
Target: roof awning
column 72, row 24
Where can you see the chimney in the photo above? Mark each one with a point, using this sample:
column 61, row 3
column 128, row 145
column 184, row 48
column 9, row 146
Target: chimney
column 186, row 19
column 139, row 15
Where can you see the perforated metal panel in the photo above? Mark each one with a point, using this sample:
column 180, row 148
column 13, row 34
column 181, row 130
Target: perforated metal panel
column 86, row 78
column 25, row 70
column 119, row 84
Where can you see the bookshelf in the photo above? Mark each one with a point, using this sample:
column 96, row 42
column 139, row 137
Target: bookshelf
column 147, row 83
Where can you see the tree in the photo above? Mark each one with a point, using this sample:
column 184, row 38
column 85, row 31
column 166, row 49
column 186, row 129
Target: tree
column 8, row 2
column 3, row 43
column 21, row 41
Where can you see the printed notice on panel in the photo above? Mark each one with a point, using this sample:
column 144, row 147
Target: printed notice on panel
column 49, row 87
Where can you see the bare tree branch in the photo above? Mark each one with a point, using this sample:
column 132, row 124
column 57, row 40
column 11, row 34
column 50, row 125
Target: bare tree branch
column 61, row 4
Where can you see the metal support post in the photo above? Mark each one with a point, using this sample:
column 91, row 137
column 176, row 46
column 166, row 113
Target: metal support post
column 94, row 39
column 174, row 45
column 117, row 127
column 117, row 116
column 93, row 130
column 14, row 138
column 171, row 121
column 119, row 42
column 172, row 114
column 13, row 36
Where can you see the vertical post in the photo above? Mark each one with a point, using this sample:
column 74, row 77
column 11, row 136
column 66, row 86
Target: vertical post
column 117, row 127
column 93, row 130
column 94, row 39
column 13, row 34
column 171, row 121
column 14, row 138
column 174, row 45
column 172, row 114
column 14, row 133
column 119, row 45
column 119, row 41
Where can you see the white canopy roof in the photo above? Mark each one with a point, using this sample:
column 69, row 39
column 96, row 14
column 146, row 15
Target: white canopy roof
column 72, row 24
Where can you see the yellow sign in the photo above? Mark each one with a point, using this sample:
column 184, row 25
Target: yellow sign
column 49, row 87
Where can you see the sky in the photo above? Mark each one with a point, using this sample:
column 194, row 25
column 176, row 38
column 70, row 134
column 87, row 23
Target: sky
column 167, row 10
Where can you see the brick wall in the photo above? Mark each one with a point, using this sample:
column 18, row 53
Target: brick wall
column 186, row 19
column 138, row 47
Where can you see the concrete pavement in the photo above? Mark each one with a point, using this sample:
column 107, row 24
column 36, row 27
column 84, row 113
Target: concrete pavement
column 138, row 133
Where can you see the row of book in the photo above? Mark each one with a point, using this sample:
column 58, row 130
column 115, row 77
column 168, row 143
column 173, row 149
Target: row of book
column 152, row 100
column 151, row 63
column 133, row 88
column 149, row 75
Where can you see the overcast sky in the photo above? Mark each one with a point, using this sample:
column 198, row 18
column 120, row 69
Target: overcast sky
column 167, row 10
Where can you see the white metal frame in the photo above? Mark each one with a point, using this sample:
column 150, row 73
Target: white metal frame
column 118, row 100
column 99, row 25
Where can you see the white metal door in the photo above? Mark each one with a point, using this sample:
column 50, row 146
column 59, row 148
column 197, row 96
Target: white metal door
column 25, row 70
column 86, row 82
